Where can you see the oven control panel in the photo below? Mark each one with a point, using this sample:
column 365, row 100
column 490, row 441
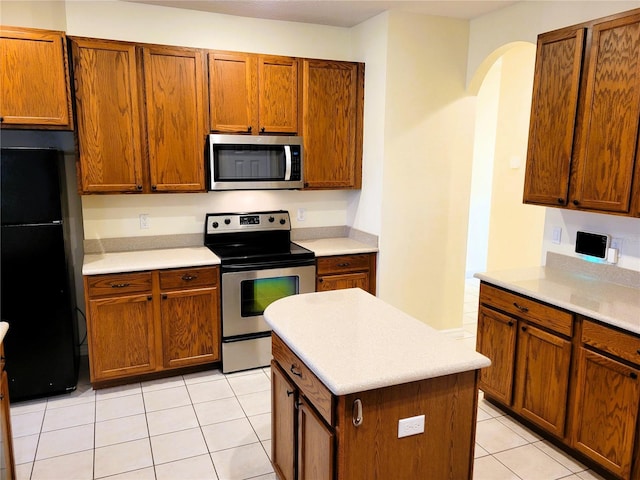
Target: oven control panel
column 245, row 222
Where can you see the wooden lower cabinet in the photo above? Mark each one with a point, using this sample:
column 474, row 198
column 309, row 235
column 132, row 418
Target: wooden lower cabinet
column 315, row 435
column 7, row 461
column 347, row 271
column 575, row 379
column 147, row 322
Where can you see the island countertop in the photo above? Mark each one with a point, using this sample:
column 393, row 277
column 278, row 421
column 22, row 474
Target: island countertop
column 353, row 341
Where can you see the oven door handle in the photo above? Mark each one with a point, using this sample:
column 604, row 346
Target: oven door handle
column 287, row 156
column 267, row 265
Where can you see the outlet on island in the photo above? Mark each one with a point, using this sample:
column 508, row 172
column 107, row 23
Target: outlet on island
column 410, row 426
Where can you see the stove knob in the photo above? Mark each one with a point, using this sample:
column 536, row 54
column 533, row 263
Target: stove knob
column 271, row 219
column 214, row 224
column 227, row 221
column 282, row 221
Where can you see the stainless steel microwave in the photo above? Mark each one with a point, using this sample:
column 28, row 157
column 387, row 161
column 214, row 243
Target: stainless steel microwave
column 252, row 162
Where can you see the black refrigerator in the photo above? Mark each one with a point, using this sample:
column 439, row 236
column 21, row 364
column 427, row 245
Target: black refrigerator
column 41, row 346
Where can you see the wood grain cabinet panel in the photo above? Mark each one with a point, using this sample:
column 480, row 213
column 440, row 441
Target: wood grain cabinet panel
column 606, row 413
column 496, row 339
column 553, row 111
column 151, row 322
column 109, row 117
column 332, row 112
column 253, row 94
column 346, row 271
column 315, row 445
column 585, row 118
column 175, row 112
column 141, row 117
column 34, row 78
column 542, row 378
column 283, row 429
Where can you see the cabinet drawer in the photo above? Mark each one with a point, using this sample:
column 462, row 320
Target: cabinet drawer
column 307, row 382
column 122, row 283
column 620, row 344
column 552, row 318
column 342, row 263
column 188, row 277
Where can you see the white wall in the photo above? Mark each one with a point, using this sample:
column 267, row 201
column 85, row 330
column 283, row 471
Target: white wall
column 490, row 36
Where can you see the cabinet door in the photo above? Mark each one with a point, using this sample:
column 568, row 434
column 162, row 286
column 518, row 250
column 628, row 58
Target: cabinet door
column 497, row 340
column 233, row 92
column 347, row 280
column 190, row 327
column 176, row 118
column 277, row 94
column 108, row 116
column 34, row 78
column 121, row 336
column 606, row 411
column 553, row 113
column 609, row 129
column 283, row 428
column 542, row 378
column 315, row 445
column 7, row 462
column 332, row 103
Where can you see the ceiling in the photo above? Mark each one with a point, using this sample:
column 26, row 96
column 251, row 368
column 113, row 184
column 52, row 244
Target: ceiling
column 334, row 12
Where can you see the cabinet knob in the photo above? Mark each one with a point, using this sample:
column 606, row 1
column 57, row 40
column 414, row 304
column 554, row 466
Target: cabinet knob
column 154, row 187
column 139, row 187
column 164, row 296
column 576, row 202
column 149, row 298
column 510, row 323
column 289, row 393
column 633, row 375
column 249, row 128
column 524, row 329
column 561, row 201
column 1, row 119
column 639, row 351
column 320, row 280
column 262, row 130
column 520, row 307
column 357, row 412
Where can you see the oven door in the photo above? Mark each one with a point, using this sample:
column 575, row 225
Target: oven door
column 246, row 294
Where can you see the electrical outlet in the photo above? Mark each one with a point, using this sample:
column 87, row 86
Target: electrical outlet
column 410, row 426
column 144, row 220
column 302, row 213
column 556, row 235
column 616, row 243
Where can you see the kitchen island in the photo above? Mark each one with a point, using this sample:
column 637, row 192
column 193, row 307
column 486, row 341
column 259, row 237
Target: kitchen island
column 363, row 390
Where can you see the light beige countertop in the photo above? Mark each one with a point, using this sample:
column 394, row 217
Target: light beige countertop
column 324, row 247
column 135, row 261
column 353, row 341
column 4, row 327
column 611, row 303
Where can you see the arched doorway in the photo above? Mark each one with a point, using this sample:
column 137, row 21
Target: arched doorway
column 503, row 232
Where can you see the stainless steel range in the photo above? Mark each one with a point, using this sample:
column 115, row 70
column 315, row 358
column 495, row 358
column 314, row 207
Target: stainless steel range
column 259, row 265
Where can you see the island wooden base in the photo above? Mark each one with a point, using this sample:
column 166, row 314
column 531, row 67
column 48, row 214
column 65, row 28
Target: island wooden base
column 323, row 443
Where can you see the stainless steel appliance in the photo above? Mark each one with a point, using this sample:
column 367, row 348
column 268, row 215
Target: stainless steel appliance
column 251, row 162
column 259, row 265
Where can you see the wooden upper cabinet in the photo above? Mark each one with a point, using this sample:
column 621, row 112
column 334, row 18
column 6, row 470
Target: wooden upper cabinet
column 176, row 122
column 332, row 111
column 141, row 117
column 233, row 92
column 253, row 94
column 108, row 115
column 609, row 128
column 553, row 111
column 34, row 79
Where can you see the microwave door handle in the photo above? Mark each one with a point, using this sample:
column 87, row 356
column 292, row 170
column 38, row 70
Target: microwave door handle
column 287, row 156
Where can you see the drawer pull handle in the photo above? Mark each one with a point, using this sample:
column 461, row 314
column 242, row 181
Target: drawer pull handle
column 120, row 285
column 357, row 412
column 633, row 375
column 520, row 307
column 296, row 373
column 187, row 277
column 345, row 264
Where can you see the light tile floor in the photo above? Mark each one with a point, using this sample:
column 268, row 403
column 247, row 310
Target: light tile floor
column 214, row 426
